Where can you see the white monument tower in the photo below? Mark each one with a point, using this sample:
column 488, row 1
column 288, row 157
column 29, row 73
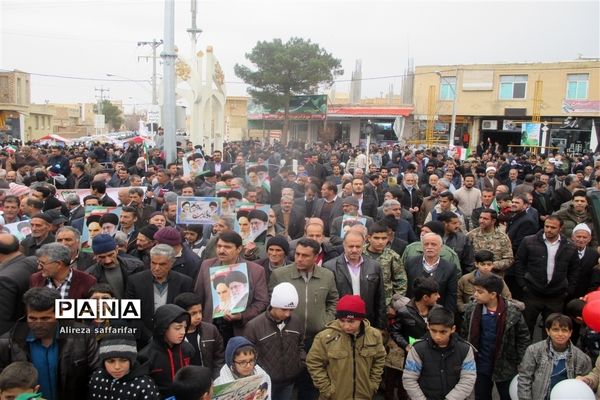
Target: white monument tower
column 200, row 83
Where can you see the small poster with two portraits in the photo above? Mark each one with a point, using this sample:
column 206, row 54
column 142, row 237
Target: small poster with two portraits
column 198, row 210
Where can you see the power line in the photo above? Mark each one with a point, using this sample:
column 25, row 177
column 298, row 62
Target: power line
column 498, row 67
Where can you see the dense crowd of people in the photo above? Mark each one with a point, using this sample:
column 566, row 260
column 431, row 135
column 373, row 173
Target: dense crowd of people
column 392, row 271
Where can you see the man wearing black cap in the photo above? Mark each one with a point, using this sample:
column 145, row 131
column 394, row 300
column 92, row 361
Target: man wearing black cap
column 278, row 249
column 207, row 187
column 41, row 226
column 58, row 219
column 144, row 242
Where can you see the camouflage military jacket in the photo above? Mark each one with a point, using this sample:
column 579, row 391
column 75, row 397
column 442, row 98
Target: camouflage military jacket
column 498, row 243
column 394, row 276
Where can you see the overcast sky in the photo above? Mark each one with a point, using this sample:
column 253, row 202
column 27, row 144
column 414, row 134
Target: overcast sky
column 92, row 38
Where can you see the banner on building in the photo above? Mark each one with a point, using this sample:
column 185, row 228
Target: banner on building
column 301, row 108
column 580, row 106
column 530, row 134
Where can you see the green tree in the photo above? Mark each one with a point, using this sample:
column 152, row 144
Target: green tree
column 282, row 70
column 112, row 114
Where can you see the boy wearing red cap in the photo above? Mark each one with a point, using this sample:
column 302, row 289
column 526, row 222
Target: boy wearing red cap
column 346, row 359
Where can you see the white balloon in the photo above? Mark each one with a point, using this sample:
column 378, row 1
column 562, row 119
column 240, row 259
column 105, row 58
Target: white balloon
column 572, row 389
column 512, row 389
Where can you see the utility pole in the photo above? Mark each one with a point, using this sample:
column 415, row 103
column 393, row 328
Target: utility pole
column 194, row 31
column 154, row 44
column 99, row 108
column 100, row 97
column 169, row 56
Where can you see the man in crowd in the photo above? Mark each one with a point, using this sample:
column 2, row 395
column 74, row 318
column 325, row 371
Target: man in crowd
column 64, row 363
column 358, row 275
column 158, row 285
column 329, row 206
column 15, row 270
column 546, row 267
column 468, row 198
column 111, row 268
column 229, row 248
column 488, row 237
column 41, row 226
column 431, row 265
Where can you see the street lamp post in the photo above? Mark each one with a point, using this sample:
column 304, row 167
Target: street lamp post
column 453, row 123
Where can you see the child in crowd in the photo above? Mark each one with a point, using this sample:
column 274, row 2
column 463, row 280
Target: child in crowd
column 497, row 329
column 168, row 351
column 441, row 351
column 278, row 335
column 409, row 325
column 504, row 201
column 192, row 383
column 484, row 263
column 19, row 378
column 356, row 369
column 552, row 360
column 120, row 375
column 203, row 336
column 240, row 362
column 100, row 291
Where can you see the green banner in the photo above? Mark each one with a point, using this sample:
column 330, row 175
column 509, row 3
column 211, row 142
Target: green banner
column 301, row 107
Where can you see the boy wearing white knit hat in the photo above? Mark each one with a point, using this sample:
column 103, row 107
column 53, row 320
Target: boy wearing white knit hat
column 279, row 339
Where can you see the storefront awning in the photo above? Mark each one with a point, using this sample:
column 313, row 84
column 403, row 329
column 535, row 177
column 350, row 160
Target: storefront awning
column 369, row 112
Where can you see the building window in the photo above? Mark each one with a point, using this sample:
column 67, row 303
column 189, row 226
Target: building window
column 447, row 87
column 577, row 86
column 513, row 87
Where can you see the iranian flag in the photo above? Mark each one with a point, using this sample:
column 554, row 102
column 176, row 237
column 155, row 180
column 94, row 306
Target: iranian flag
column 464, row 153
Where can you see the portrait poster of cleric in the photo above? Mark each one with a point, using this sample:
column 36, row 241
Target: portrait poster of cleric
column 19, row 229
column 253, row 387
column 229, row 287
column 348, row 221
column 251, row 222
column 198, row 210
column 96, row 221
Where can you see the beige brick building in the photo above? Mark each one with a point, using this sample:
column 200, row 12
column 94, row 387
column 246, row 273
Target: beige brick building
column 493, row 100
column 15, row 97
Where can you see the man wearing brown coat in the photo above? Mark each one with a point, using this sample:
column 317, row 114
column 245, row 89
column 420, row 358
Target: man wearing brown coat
column 229, row 246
